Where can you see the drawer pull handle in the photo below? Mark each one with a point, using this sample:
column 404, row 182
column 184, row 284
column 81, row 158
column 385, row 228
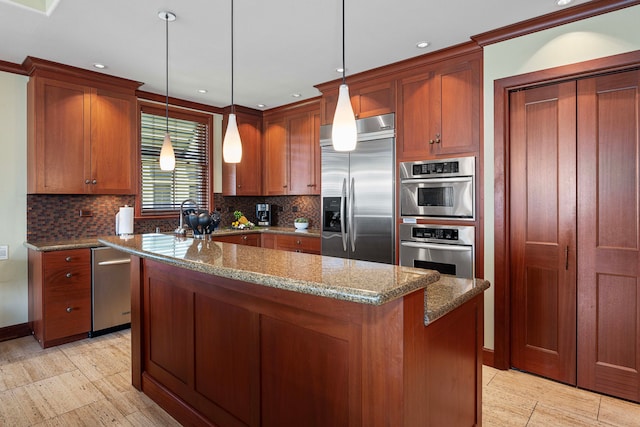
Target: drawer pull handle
column 68, row 275
column 68, row 259
column 69, row 309
column 298, row 242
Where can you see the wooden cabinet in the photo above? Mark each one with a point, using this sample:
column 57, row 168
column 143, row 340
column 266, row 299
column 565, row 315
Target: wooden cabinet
column 292, row 151
column 245, row 178
column 368, row 98
column 59, row 295
column 293, row 243
column 81, row 137
column 249, row 239
column 439, row 109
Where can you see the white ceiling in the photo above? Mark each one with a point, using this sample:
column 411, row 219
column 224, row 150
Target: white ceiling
column 281, row 46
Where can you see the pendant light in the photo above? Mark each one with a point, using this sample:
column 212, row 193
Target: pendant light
column 343, row 131
column 231, row 145
column 167, row 156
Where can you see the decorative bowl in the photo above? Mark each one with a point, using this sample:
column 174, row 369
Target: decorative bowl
column 301, row 225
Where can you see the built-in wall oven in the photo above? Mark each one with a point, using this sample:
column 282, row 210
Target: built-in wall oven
column 449, row 249
column 442, row 188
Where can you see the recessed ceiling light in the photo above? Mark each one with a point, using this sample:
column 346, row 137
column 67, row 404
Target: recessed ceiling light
column 340, row 70
column 422, row 45
column 563, row 2
column 296, row 95
column 99, row 65
column 261, row 105
column 202, row 91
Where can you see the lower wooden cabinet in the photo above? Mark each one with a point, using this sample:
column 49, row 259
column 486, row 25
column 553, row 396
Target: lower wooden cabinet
column 288, row 242
column 59, row 295
column 250, row 239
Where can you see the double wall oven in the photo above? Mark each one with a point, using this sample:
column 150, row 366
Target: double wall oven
column 435, row 197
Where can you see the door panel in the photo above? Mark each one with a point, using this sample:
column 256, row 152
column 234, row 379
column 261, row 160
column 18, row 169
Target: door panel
column 608, row 215
column 543, row 231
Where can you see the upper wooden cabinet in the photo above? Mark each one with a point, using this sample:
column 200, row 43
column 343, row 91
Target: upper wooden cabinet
column 81, row 134
column 292, row 151
column 245, row 178
column 439, row 109
column 368, row 98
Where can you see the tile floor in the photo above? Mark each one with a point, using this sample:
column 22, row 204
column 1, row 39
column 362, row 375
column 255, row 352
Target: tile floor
column 88, row 383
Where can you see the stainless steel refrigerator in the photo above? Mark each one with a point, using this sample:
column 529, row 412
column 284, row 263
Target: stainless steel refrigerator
column 358, row 193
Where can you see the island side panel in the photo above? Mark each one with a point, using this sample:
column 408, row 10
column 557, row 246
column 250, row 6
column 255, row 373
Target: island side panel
column 135, row 278
column 443, row 365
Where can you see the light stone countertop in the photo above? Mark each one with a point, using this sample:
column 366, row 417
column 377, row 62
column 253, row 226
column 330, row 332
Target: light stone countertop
column 350, row 280
column 92, row 242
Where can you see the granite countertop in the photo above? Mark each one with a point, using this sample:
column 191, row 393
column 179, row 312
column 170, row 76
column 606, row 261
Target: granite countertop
column 350, row 280
column 92, row 242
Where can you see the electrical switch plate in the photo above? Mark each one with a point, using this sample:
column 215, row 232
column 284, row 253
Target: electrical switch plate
column 4, row 252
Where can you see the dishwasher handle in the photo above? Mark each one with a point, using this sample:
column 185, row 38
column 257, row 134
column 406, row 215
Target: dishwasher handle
column 115, row 262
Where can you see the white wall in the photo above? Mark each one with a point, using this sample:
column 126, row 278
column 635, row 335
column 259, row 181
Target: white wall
column 13, row 199
column 592, row 38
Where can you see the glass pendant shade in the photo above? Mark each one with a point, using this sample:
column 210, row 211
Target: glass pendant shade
column 343, row 132
column 231, row 145
column 167, row 156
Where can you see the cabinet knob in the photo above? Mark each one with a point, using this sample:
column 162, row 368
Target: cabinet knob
column 239, row 185
column 95, row 181
column 435, row 141
column 69, row 309
column 68, row 275
column 298, row 242
column 87, row 181
column 68, row 259
column 284, row 186
column 244, row 237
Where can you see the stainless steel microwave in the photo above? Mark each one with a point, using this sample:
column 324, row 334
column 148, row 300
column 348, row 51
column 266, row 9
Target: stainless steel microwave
column 443, row 188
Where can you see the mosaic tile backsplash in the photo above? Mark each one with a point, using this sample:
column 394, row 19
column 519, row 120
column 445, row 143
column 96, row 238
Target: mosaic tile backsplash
column 57, row 217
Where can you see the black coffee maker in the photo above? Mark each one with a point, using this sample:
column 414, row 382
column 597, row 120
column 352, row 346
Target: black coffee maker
column 263, row 214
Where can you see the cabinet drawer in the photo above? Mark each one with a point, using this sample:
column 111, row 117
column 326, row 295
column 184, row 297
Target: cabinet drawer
column 67, row 313
column 298, row 244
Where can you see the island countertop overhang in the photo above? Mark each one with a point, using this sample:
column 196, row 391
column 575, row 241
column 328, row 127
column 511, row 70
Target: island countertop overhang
column 350, row 280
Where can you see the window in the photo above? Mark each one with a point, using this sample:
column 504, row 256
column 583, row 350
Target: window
column 161, row 192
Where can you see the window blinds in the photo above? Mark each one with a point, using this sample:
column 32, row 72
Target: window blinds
column 163, row 191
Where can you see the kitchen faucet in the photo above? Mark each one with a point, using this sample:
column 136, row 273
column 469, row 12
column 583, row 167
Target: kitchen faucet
column 181, row 229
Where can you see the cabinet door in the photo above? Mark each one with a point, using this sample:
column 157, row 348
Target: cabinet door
column 245, row 178
column 373, row 99
column 304, row 154
column 457, row 121
column 276, row 157
column 416, row 115
column 59, row 126
column 113, row 143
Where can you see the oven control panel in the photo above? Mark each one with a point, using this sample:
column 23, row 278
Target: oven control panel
column 435, row 233
column 440, row 168
column 435, row 168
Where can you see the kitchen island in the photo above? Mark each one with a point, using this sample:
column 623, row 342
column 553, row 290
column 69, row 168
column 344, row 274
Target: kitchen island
column 233, row 335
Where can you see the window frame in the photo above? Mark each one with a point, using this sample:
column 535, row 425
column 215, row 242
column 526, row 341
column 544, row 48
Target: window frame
column 159, row 109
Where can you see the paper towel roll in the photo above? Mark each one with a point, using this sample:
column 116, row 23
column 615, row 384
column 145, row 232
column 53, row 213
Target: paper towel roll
column 124, row 220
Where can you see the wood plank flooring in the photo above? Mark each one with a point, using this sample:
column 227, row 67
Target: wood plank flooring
column 88, row 383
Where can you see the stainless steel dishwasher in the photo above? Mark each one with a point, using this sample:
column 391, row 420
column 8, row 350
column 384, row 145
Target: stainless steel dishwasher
column 110, row 291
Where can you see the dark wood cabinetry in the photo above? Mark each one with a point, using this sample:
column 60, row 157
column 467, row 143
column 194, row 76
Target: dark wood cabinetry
column 59, row 295
column 245, row 178
column 222, row 351
column 439, row 109
column 250, row 239
column 292, row 150
column 81, row 134
column 368, row 98
column 288, row 242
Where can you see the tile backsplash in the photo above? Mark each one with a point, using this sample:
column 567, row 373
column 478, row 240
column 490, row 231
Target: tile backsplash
column 57, row 217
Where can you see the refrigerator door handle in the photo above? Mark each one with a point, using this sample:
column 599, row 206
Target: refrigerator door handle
column 352, row 228
column 343, row 203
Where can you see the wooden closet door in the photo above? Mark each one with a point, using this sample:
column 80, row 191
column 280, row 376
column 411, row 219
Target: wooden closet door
column 543, row 231
column 608, row 222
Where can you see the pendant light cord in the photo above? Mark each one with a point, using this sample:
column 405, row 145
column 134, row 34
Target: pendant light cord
column 344, row 68
column 166, row 19
column 233, row 108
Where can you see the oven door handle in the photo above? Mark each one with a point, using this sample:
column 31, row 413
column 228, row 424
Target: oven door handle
column 437, row 180
column 438, row 246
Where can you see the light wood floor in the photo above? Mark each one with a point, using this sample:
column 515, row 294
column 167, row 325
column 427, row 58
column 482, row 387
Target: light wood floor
column 88, row 383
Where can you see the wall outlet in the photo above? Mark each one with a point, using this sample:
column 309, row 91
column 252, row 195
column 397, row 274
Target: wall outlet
column 85, row 213
column 4, row 252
